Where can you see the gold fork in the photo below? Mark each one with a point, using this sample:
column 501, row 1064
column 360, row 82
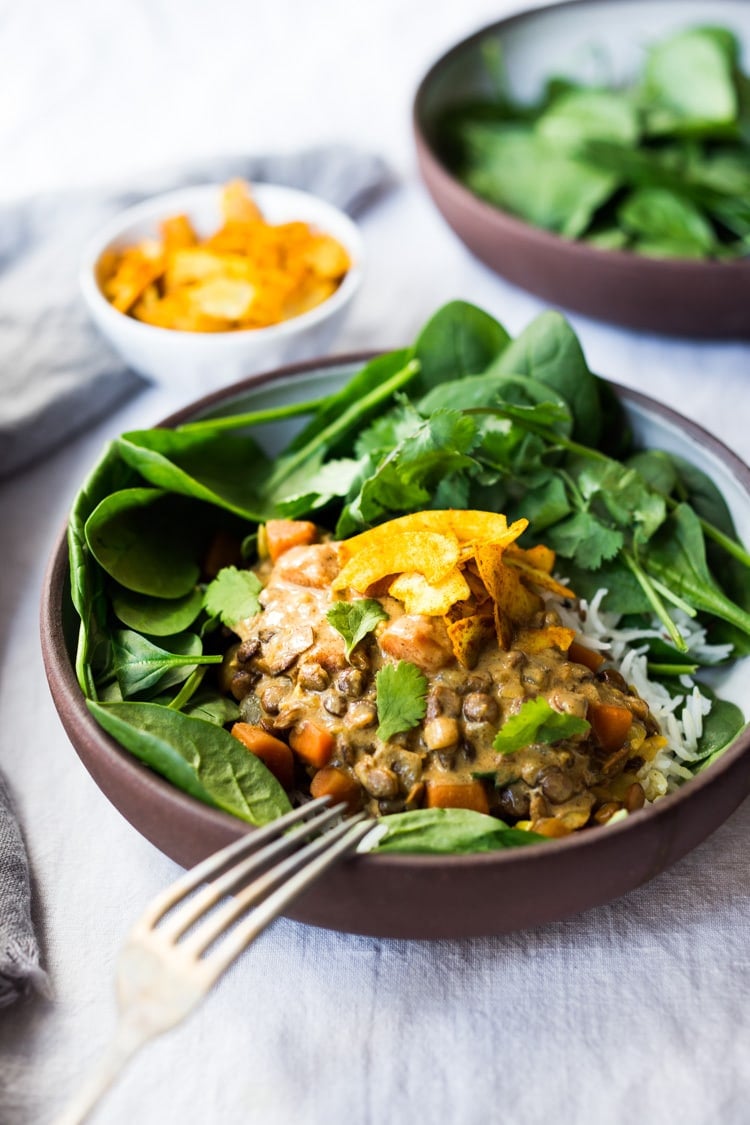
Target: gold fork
column 172, row 956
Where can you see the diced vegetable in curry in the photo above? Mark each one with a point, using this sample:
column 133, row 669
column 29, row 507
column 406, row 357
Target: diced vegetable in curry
column 424, row 664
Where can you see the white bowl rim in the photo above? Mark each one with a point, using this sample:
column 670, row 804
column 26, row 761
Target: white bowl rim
column 163, row 205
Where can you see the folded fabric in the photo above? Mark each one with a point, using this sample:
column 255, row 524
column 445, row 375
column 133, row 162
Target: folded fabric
column 19, row 953
column 58, row 375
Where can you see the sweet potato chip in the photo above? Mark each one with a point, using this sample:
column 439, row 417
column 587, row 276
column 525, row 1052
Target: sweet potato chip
column 469, row 636
column 237, row 204
column 177, row 233
column 505, row 587
column 431, row 598
column 467, row 526
column 430, row 554
column 539, row 578
column 541, row 640
column 227, row 298
column 538, row 557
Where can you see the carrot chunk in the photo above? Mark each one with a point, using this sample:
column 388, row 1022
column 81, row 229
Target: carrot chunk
column 312, row 743
column 282, row 535
column 610, row 723
column 457, row 795
column 589, row 657
column 335, row 783
column 273, row 753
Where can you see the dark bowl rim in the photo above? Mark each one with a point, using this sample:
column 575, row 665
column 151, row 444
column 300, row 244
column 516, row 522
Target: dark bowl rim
column 545, row 239
column 62, row 679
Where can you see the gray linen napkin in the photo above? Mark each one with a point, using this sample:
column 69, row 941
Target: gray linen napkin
column 57, row 375
column 19, row 954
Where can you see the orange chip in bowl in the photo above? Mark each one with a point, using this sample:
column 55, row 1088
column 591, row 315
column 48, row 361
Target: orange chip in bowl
column 431, row 598
column 467, row 526
column 430, row 554
column 505, row 587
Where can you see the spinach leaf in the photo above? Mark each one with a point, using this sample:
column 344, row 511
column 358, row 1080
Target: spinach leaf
column 687, row 82
column 86, row 580
column 139, row 664
column 525, row 173
column 586, row 114
column 199, row 757
column 663, row 219
column 207, row 466
column 548, row 350
column 142, row 539
column 677, row 557
column 459, row 340
column 446, row 831
column 159, row 617
column 720, row 728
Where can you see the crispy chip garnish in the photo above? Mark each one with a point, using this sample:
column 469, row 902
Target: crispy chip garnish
column 247, row 274
column 505, row 587
column 540, row 640
column 431, row 598
column 430, row 554
column 467, row 526
column 538, row 557
column 539, row 578
column 469, row 635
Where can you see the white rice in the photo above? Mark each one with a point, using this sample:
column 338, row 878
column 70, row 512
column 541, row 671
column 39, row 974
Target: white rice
column 681, row 716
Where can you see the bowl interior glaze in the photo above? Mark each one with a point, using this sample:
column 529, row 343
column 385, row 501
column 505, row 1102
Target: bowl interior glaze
column 423, row 896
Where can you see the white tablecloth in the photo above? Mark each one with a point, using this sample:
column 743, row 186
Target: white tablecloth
column 635, row 1011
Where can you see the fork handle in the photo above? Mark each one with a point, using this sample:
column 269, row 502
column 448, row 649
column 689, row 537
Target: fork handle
column 128, row 1038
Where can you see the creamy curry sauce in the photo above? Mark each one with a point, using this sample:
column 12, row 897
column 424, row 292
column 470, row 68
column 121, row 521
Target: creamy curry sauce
column 291, row 666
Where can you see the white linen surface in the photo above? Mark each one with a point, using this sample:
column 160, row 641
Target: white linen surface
column 635, row 1011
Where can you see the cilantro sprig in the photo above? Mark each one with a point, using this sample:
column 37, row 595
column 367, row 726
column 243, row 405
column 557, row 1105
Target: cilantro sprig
column 233, row 595
column 536, row 721
column 400, row 698
column 354, row 620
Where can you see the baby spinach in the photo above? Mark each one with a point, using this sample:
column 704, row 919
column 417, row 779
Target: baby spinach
column 658, row 166
column 141, row 538
column 449, row 831
column 720, row 728
column 138, row 663
column 197, row 756
column 458, row 340
column 159, row 617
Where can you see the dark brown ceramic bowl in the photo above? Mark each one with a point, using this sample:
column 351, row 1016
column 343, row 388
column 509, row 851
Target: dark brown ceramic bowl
column 422, row 896
column 687, row 298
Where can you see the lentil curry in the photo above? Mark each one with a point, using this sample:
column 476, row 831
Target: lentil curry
column 453, row 596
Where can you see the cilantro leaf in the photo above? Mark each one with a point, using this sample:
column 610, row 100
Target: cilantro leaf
column 400, row 698
column 536, row 722
column 585, row 539
column 233, row 595
column 354, row 620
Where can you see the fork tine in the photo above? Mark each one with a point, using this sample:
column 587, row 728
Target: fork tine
column 260, row 888
column 238, row 873
column 215, row 863
column 240, row 937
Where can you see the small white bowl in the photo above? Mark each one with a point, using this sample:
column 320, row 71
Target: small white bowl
column 196, row 362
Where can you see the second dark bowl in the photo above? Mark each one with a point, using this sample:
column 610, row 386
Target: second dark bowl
column 678, row 297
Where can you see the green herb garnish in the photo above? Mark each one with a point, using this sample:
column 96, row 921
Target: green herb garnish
column 400, row 697
column 233, row 595
column 536, row 721
column 354, row 620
